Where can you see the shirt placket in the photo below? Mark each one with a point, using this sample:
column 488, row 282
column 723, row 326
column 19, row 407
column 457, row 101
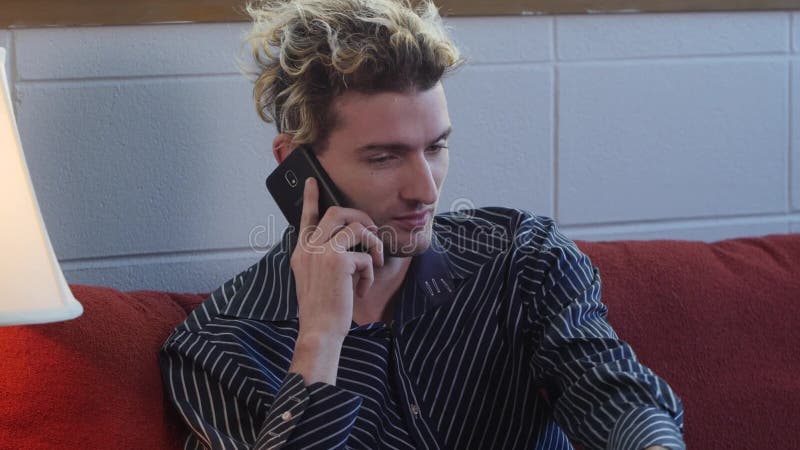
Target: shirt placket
column 419, row 424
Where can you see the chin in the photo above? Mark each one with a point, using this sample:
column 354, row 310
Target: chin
column 404, row 243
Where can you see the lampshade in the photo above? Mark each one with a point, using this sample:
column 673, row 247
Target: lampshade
column 32, row 287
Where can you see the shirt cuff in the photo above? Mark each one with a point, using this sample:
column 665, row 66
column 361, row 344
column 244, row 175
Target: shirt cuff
column 327, row 412
column 645, row 426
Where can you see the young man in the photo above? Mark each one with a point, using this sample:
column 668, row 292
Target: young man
column 482, row 329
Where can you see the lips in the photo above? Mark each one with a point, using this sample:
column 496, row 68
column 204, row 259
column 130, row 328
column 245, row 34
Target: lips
column 410, row 221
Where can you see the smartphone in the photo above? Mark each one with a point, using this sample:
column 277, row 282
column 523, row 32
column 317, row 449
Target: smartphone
column 286, row 182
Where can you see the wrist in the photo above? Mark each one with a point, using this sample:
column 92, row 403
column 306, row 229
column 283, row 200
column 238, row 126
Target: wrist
column 316, row 358
column 312, row 341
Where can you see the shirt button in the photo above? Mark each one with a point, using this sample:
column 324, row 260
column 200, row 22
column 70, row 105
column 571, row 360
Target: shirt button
column 287, row 416
column 414, row 410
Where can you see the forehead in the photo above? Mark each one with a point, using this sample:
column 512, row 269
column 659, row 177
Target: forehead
column 411, row 117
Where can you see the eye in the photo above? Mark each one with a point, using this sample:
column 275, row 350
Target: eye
column 380, row 159
column 436, row 148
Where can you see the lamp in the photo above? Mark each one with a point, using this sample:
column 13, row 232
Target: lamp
column 32, row 287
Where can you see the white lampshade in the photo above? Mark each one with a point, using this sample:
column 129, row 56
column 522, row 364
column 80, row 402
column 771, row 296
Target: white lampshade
column 32, row 287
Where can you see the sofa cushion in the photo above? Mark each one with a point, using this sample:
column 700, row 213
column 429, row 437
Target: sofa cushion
column 721, row 323
column 92, row 382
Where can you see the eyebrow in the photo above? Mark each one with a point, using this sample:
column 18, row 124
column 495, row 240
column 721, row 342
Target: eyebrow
column 399, row 146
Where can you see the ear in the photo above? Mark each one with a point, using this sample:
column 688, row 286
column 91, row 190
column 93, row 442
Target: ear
column 282, row 146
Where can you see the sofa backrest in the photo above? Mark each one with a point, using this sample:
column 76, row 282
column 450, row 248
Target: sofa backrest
column 721, row 323
column 92, row 382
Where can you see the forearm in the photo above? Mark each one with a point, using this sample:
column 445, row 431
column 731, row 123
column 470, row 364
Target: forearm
column 603, row 396
column 263, row 410
column 618, row 405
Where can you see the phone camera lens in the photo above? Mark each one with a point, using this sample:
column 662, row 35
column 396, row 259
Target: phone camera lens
column 291, row 178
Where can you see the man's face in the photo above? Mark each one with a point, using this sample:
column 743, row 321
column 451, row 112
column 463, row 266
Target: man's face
column 388, row 155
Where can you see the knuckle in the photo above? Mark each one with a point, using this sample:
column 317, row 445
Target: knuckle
column 294, row 261
column 366, row 260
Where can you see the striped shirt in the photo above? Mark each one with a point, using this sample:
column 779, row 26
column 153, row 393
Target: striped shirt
column 499, row 340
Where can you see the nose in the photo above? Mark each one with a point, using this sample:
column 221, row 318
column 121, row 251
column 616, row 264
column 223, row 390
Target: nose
column 420, row 184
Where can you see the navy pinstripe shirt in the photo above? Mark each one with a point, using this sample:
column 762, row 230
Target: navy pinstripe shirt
column 499, row 341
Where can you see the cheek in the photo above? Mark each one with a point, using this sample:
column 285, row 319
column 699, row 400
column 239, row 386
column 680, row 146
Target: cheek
column 373, row 190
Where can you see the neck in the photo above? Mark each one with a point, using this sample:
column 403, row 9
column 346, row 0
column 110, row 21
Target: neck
column 393, row 267
column 377, row 305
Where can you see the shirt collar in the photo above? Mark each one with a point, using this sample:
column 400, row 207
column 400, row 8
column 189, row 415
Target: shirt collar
column 270, row 293
column 434, row 272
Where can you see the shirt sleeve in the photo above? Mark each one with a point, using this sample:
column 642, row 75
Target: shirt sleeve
column 230, row 399
column 602, row 397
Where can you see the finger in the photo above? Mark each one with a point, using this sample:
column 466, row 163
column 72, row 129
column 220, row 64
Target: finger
column 337, row 217
column 345, row 237
column 364, row 272
column 357, row 234
column 373, row 244
column 309, row 218
column 369, row 240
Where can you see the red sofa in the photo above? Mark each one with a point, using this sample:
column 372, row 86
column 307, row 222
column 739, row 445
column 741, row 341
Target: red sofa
column 720, row 322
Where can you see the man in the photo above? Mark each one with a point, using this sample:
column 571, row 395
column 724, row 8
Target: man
column 478, row 329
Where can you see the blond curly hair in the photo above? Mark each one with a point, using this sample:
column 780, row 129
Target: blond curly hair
column 308, row 52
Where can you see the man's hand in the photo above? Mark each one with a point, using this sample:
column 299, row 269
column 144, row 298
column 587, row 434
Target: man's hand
column 656, row 447
column 325, row 273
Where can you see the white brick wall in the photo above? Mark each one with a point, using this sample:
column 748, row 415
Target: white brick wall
column 794, row 119
column 149, row 160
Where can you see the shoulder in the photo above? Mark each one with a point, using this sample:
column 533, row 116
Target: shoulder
column 246, row 290
column 500, row 228
column 532, row 242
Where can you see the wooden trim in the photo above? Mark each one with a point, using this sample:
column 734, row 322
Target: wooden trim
column 543, row 7
column 39, row 13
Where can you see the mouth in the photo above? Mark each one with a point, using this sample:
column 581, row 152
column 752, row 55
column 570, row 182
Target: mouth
column 415, row 220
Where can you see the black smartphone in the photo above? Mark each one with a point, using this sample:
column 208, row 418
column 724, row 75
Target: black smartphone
column 286, row 182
